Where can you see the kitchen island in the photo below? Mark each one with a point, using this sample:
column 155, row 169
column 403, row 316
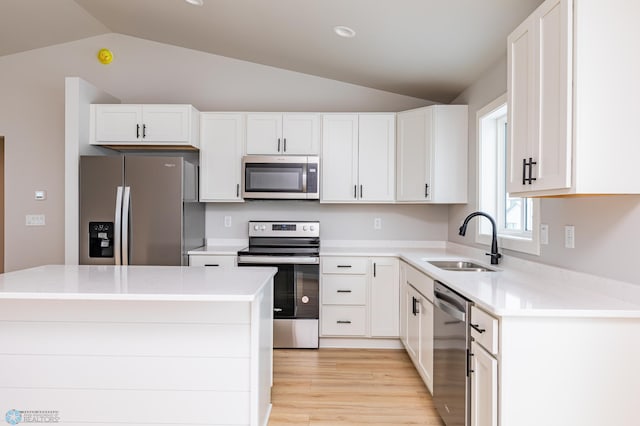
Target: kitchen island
column 136, row 345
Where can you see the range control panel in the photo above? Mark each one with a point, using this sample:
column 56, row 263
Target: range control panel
column 284, row 229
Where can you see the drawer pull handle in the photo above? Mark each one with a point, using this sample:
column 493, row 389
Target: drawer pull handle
column 344, row 266
column 343, row 322
column 212, row 264
column 344, row 291
column 477, row 328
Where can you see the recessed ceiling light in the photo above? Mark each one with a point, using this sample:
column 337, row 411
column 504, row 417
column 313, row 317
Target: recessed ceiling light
column 345, row 32
column 195, row 2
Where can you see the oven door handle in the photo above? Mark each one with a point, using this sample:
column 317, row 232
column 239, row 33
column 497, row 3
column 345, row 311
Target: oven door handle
column 276, row 260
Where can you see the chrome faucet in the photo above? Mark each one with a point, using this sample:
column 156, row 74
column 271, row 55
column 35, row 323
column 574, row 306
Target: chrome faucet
column 495, row 256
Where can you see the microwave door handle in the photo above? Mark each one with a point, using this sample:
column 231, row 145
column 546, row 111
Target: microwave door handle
column 304, row 179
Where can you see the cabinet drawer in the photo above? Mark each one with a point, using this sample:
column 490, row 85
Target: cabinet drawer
column 212, row 261
column 344, row 289
column 484, row 330
column 343, row 320
column 344, row 265
column 421, row 282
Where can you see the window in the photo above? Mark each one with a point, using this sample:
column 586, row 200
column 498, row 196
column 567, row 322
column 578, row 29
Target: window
column 517, row 218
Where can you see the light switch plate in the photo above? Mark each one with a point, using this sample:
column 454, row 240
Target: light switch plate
column 34, row 220
column 570, row 236
column 544, row 234
column 227, row 221
column 377, row 223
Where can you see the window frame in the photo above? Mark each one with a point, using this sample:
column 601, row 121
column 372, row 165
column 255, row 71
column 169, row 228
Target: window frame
column 510, row 241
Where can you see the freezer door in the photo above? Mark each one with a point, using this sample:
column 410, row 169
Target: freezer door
column 155, row 211
column 100, row 177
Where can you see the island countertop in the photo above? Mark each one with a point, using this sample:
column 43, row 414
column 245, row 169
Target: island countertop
column 142, row 283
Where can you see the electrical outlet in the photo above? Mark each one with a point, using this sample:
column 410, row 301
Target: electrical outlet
column 377, row 223
column 227, row 221
column 570, row 236
column 544, row 233
column 34, row 220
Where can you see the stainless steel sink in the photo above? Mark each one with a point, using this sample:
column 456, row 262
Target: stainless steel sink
column 459, row 265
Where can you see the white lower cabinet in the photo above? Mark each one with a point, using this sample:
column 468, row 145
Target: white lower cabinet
column 484, row 387
column 484, row 368
column 213, row 261
column 416, row 317
column 359, row 296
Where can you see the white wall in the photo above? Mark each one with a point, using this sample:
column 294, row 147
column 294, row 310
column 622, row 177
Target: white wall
column 337, row 222
column 32, row 114
column 607, row 228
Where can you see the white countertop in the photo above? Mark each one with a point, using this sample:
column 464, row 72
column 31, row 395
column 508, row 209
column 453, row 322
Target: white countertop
column 518, row 287
column 167, row 283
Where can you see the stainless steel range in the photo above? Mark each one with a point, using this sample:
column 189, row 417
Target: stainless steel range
column 294, row 248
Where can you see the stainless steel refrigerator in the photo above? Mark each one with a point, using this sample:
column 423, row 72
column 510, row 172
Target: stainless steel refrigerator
column 139, row 210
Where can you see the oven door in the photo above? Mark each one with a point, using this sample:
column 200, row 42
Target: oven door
column 296, row 304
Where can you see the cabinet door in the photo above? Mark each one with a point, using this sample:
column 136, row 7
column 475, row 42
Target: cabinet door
column 301, row 134
column 520, row 101
column 221, row 150
column 413, row 148
column 264, row 133
column 385, row 292
column 413, row 323
column 376, row 157
column 484, row 387
column 339, row 158
column 118, row 123
column 166, row 123
column 425, row 358
column 551, row 148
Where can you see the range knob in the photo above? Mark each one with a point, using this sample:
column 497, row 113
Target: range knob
column 263, row 228
column 304, row 228
column 312, row 228
column 256, row 227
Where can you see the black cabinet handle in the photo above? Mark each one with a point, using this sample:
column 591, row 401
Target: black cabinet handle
column 531, row 164
column 212, row 264
column 344, row 291
column 426, row 190
column 477, row 328
column 524, row 171
column 355, row 191
column 278, row 144
column 414, row 309
column 344, row 266
column 360, row 191
column 343, row 322
column 374, row 269
column 237, row 189
column 137, row 131
column 285, row 145
column 144, row 131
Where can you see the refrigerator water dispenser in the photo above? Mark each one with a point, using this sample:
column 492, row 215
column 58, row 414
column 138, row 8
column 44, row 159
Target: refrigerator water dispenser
column 101, row 239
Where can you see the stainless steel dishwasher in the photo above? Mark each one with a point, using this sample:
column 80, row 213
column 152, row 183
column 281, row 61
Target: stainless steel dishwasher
column 450, row 355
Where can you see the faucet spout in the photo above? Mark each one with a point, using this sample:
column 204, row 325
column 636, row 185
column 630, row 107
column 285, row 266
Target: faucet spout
column 495, row 256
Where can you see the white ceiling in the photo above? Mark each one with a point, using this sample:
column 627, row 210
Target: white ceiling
column 430, row 49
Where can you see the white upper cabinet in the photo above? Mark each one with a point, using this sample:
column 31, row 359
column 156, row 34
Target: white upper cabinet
column 571, row 99
column 358, row 158
column 121, row 125
column 221, row 151
column 283, row 134
column 432, row 154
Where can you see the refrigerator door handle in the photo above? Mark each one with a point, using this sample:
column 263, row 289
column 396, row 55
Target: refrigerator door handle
column 117, row 232
column 126, row 213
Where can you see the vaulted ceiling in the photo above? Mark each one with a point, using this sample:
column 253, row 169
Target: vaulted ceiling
column 430, row 49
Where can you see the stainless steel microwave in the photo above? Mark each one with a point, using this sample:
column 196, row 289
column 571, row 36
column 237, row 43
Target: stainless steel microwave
column 281, row 177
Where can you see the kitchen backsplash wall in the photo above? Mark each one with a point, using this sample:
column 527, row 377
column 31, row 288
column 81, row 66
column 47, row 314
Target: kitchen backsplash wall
column 607, row 228
column 337, row 221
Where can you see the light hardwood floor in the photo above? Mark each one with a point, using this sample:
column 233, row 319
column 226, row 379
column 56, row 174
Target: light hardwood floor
column 340, row 387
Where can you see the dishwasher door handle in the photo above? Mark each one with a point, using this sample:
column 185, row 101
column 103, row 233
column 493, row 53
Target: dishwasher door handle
column 449, row 309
